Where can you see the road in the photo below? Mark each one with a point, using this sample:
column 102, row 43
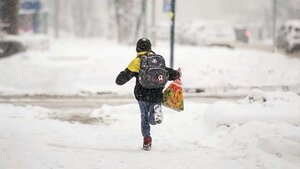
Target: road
column 266, row 48
column 92, row 101
column 87, row 102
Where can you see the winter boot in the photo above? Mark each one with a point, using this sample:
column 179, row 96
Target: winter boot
column 158, row 115
column 147, row 143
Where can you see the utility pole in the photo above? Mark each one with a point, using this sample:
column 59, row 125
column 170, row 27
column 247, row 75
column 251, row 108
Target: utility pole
column 141, row 21
column 56, row 18
column 274, row 25
column 144, row 16
column 172, row 13
column 153, row 26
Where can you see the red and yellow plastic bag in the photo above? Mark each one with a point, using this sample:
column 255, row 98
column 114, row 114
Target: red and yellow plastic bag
column 173, row 96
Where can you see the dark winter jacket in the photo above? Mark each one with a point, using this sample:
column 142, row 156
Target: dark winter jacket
column 141, row 93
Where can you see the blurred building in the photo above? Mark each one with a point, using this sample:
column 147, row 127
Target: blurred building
column 33, row 16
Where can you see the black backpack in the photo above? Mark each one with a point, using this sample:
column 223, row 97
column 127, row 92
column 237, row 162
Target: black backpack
column 153, row 72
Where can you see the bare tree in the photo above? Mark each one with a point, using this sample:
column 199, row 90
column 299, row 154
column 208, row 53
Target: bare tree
column 109, row 18
column 9, row 15
column 125, row 16
column 288, row 9
column 141, row 20
column 82, row 16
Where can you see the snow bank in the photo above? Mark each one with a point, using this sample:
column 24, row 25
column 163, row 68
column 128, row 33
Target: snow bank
column 32, row 42
column 7, row 110
column 258, row 106
column 262, row 126
column 270, row 141
column 35, row 137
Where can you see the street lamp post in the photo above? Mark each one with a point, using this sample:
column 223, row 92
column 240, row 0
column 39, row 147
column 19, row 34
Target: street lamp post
column 173, row 3
column 153, row 26
column 274, row 25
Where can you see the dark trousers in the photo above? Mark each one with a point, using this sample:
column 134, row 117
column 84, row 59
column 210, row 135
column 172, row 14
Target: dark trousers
column 147, row 117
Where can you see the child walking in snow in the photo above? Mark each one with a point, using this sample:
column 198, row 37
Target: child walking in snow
column 151, row 77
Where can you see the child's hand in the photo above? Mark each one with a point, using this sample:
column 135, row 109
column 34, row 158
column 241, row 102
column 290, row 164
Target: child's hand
column 180, row 73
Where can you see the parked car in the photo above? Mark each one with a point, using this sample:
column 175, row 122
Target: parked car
column 163, row 31
column 187, row 34
column 2, row 33
column 205, row 33
column 242, row 34
column 288, row 36
column 9, row 47
column 216, row 34
column 208, row 34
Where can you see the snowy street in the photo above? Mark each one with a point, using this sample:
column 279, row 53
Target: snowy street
column 109, row 136
column 60, row 108
column 91, row 101
column 149, row 84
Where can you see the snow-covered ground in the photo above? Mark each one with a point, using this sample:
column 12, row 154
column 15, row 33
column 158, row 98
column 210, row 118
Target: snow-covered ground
column 260, row 131
column 253, row 133
column 91, row 65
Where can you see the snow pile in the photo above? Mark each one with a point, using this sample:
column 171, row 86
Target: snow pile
column 29, row 112
column 32, row 42
column 262, row 126
column 34, row 137
column 261, row 106
column 267, row 141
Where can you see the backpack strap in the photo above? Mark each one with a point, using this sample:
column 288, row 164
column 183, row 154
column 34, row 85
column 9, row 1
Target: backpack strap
column 139, row 54
column 152, row 52
column 145, row 53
